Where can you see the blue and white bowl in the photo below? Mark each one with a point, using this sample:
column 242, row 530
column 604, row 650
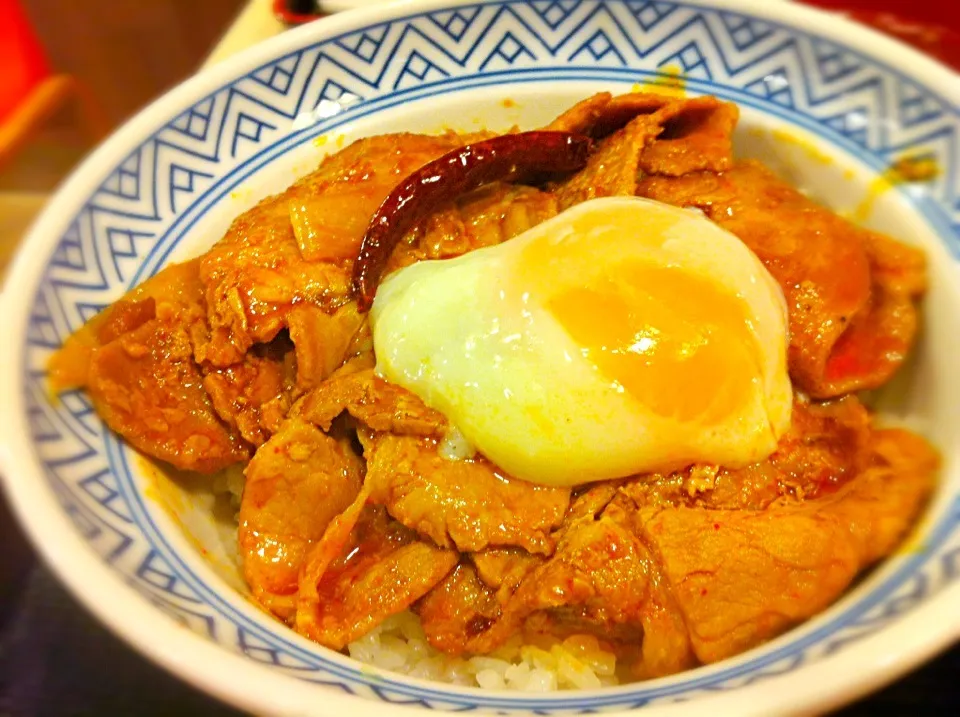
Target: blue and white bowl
column 146, row 556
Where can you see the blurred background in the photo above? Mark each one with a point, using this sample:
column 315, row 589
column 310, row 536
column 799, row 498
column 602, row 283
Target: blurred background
column 73, row 71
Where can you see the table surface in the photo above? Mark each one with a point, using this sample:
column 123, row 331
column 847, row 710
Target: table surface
column 57, row 660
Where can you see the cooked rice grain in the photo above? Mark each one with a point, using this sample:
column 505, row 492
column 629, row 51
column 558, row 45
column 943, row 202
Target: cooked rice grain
column 399, row 645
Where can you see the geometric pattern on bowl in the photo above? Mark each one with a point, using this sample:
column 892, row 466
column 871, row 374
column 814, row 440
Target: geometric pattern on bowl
column 144, row 206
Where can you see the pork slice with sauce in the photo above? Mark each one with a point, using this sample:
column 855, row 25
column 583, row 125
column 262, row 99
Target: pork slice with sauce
column 297, row 248
column 136, row 361
column 379, row 570
column 826, row 445
column 653, row 134
column 604, row 581
column 792, row 559
column 467, row 504
column 600, row 581
column 253, row 397
column 296, row 484
column 463, row 615
column 485, row 217
column 374, row 402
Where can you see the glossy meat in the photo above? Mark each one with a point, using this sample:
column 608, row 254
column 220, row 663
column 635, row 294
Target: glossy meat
column 322, row 341
column 135, row 360
column 604, row 569
column 485, row 217
column 697, row 135
column 381, row 570
column 70, row 366
column 147, row 388
column 613, row 168
column 848, row 331
column 503, row 568
column 825, row 447
column 253, row 397
column 267, row 263
column 794, row 558
column 879, row 338
column 601, row 580
column 477, row 608
column 692, row 134
column 466, row 612
column 297, row 482
column 379, row 405
column 467, row 504
column 463, row 615
column 652, row 571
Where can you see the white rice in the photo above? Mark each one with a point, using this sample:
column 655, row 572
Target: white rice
column 399, row 645
column 229, row 480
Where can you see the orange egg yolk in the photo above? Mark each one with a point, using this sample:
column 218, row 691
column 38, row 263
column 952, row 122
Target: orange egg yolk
column 680, row 343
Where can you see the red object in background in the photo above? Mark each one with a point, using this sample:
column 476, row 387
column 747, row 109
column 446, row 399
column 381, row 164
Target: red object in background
column 296, row 12
column 30, row 92
column 932, row 27
column 21, row 57
column 933, row 12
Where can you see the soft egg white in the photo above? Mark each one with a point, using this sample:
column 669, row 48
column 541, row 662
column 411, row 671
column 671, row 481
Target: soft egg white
column 623, row 336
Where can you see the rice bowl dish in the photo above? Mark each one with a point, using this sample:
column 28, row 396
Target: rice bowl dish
column 177, row 535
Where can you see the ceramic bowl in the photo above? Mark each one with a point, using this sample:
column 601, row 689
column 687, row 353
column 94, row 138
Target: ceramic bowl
column 827, row 103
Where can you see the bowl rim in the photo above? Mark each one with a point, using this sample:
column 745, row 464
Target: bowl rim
column 247, row 685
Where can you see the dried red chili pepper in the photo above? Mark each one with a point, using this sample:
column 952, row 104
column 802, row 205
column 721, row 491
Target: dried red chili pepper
column 513, row 156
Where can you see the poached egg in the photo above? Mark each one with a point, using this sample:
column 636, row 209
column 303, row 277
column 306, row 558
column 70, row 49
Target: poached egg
column 621, row 337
